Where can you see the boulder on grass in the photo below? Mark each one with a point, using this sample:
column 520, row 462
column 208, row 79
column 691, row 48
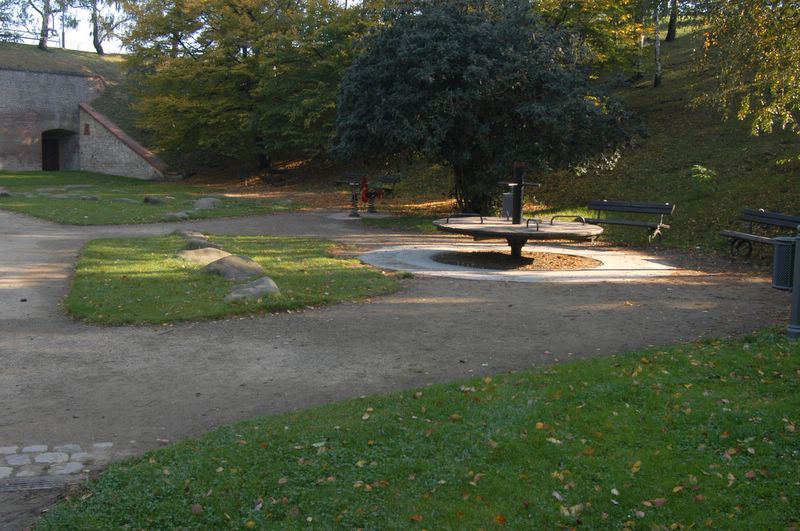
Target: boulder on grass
column 235, row 267
column 190, row 234
column 4, row 192
column 206, row 203
column 154, row 200
column 199, row 243
column 256, row 289
column 203, row 256
column 124, row 200
column 176, row 216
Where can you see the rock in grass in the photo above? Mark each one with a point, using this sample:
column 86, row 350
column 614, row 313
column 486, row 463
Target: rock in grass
column 4, row 192
column 203, row 256
column 256, row 289
column 199, row 243
column 90, row 198
column 206, row 203
column 124, row 200
column 235, row 267
column 154, row 200
column 176, row 216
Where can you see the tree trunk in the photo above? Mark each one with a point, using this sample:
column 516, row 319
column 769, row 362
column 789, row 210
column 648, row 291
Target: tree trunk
column 639, row 74
column 657, row 46
column 45, row 30
column 468, row 197
column 97, row 41
column 673, row 21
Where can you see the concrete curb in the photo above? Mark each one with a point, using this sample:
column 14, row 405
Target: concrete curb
column 618, row 265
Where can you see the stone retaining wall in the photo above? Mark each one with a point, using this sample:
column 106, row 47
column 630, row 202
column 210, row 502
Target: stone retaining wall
column 47, row 122
column 105, row 148
column 34, row 102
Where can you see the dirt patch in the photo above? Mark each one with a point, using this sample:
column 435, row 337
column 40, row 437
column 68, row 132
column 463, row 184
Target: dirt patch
column 530, row 261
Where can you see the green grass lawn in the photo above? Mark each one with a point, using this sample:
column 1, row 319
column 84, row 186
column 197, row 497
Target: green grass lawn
column 696, row 435
column 409, row 223
column 101, row 204
column 141, row 280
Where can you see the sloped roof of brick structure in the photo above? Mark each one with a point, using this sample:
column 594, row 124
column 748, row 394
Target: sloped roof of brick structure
column 153, row 159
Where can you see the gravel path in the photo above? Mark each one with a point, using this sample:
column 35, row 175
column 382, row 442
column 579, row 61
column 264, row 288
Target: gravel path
column 129, row 389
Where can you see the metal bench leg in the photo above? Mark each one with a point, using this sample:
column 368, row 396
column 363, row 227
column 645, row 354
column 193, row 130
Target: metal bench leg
column 736, row 245
column 653, row 234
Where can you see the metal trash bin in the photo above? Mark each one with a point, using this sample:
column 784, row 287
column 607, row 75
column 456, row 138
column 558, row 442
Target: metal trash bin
column 508, row 205
column 783, row 262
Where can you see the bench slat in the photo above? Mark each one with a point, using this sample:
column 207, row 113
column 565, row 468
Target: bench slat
column 736, row 235
column 773, row 219
column 629, row 222
column 632, row 207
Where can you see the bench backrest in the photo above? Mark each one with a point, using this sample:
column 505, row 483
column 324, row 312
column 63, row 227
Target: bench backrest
column 631, row 206
column 389, row 179
column 774, row 219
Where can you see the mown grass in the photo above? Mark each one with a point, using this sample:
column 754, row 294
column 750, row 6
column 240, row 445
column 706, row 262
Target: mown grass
column 695, row 435
column 141, row 280
column 99, row 202
column 16, row 56
column 403, row 222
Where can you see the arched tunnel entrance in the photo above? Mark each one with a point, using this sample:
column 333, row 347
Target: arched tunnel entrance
column 59, row 150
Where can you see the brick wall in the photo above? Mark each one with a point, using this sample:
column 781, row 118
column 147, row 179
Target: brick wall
column 34, row 102
column 105, row 148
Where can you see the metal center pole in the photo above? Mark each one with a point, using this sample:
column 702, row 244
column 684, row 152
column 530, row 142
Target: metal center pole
column 793, row 330
column 517, row 195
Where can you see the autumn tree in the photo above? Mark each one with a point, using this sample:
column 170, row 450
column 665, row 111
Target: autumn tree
column 755, row 45
column 107, row 19
column 672, row 25
column 607, row 29
column 9, row 20
column 244, row 79
column 475, row 90
column 44, row 9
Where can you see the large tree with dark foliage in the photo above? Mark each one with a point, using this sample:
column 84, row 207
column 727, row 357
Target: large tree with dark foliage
column 476, row 89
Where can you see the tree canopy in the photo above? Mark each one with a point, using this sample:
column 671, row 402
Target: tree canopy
column 474, row 89
column 243, row 77
column 756, row 47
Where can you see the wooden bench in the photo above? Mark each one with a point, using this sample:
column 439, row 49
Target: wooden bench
column 763, row 219
column 387, row 183
column 630, row 207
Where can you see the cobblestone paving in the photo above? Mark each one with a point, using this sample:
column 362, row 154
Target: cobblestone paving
column 33, row 460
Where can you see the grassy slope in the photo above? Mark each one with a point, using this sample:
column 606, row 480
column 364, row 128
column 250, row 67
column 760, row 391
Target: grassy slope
column 697, row 435
column 28, row 57
column 680, row 136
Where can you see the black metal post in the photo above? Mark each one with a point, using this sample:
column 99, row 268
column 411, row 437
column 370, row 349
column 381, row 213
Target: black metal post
column 793, row 330
column 517, row 195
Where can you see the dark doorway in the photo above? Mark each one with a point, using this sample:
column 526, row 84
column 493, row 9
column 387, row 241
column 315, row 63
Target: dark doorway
column 51, row 160
column 59, row 150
